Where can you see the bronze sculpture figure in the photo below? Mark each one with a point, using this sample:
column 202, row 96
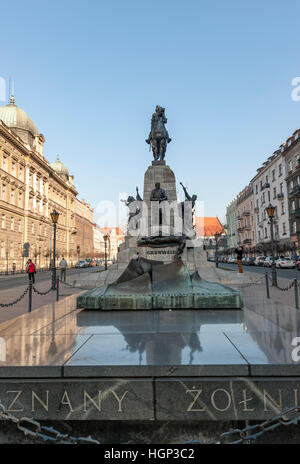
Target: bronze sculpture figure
column 158, row 137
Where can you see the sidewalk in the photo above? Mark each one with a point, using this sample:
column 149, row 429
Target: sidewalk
column 255, row 294
column 7, row 296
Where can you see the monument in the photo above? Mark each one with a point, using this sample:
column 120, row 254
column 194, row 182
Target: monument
column 157, row 263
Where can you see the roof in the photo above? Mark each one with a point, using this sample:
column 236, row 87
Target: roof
column 211, row 226
column 16, row 118
column 60, row 168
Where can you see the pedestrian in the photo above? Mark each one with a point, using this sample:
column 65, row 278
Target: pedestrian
column 31, row 270
column 240, row 251
column 63, row 268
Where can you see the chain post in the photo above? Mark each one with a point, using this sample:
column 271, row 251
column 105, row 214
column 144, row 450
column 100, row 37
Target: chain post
column 267, row 285
column 30, row 296
column 57, row 288
column 296, row 294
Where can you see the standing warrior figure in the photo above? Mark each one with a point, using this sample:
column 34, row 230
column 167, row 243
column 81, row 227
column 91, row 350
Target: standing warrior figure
column 133, row 207
column 158, row 137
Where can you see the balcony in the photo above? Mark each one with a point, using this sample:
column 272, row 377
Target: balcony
column 247, row 241
column 265, row 185
column 246, row 213
column 296, row 212
column 256, row 209
column 280, row 196
column 295, row 191
column 240, row 229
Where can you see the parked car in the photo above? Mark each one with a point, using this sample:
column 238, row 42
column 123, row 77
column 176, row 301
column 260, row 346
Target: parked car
column 259, row 260
column 285, row 263
column 81, row 263
column 298, row 264
column 251, row 261
column 268, row 261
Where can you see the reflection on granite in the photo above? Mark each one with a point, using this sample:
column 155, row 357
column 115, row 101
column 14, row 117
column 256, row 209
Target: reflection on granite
column 30, row 323
column 254, row 340
column 33, row 351
column 115, row 354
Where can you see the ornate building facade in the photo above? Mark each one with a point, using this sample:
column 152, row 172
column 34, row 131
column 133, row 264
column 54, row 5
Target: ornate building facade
column 232, row 224
column 115, row 238
column 30, row 189
column 84, row 223
column 246, row 224
column 269, row 186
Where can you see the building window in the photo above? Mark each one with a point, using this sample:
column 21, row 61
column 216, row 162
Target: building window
column 3, row 221
column 293, row 205
column 269, row 196
column 283, row 228
column 280, row 170
column 12, row 197
column 282, row 208
column 32, row 228
column 4, row 162
column 13, row 169
column 281, row 187
column 3, row 193
column 256, row 188
column 12, row 223
column 20, row 226
column 294, row 227
column 290, row 165
column 274, row 193
column 266, row 233
column 273, row 175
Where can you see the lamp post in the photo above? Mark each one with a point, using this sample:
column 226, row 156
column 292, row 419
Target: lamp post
column 217, row 236
column 105, row 251
column 54, row 217
column 271, row 211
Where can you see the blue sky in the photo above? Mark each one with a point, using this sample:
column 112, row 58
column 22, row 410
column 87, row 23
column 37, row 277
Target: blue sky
column 90, row 74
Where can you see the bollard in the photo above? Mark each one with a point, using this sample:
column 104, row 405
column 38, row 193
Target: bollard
column 57, row 289
column 296, row 293
column 30, row 296
column 267, row 285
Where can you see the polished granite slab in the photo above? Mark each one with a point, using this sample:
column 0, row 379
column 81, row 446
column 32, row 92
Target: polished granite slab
column 58, row 340
column 161, row 354
column 60, row 363
column 37, row 355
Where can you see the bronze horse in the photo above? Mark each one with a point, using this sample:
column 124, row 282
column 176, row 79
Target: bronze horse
column 158, row 137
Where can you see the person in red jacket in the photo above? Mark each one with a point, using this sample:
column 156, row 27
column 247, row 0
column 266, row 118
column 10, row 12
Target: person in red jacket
column 30, row 269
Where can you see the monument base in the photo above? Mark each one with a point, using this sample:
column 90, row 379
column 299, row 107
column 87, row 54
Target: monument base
column 146, row 285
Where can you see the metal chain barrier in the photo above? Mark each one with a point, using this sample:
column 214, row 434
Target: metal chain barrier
column 251, row 432
column 41, row 293
column 34, row 429
column 283, row 289
column 6, row 305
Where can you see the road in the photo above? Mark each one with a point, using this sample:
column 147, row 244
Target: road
column 9, row 282
column 282, row 273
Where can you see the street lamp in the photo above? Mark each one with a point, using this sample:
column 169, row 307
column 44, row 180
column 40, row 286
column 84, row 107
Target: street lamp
column 54, row 217
column 271, row 211
column 105, row 255
column 217, row 236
